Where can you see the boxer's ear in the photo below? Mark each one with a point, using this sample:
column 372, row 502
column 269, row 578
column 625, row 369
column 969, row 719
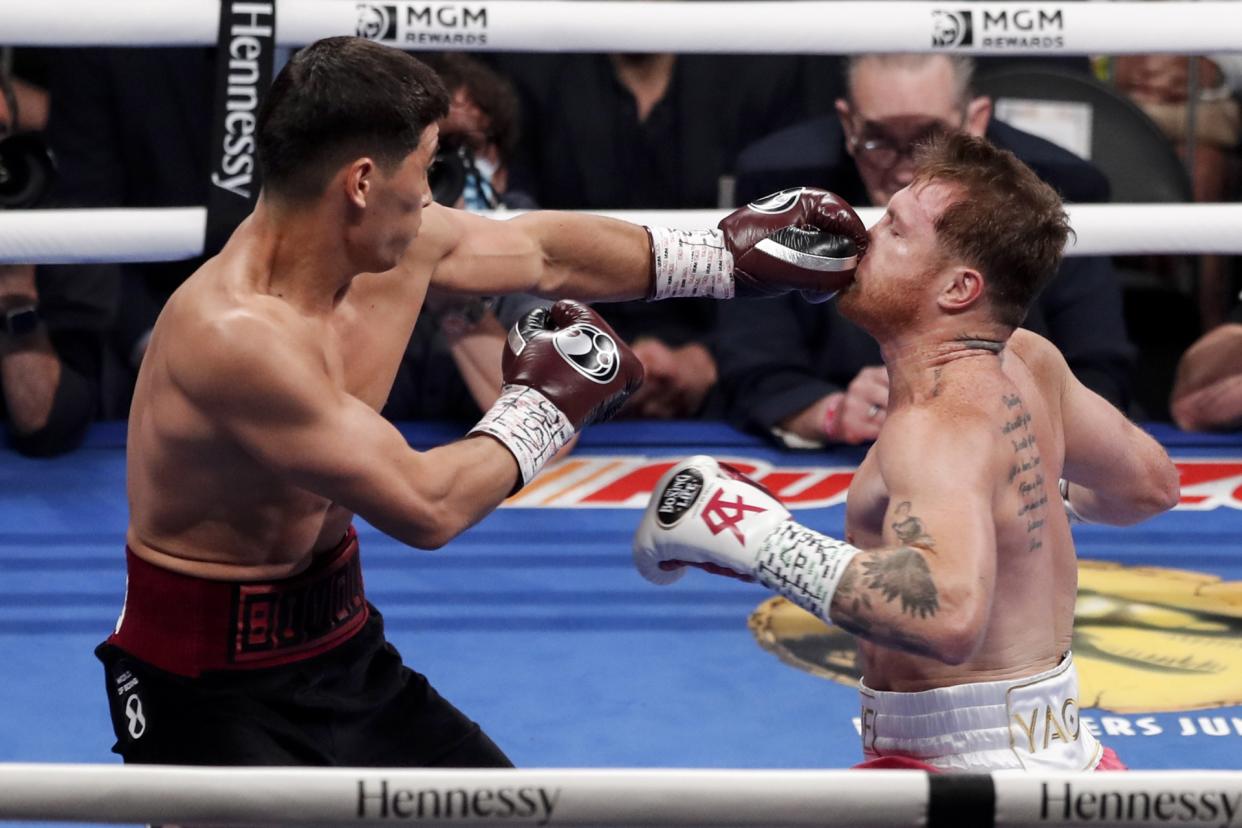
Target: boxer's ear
column 962, row 290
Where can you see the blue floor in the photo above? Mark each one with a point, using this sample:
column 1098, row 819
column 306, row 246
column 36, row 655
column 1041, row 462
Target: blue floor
column 535, row 624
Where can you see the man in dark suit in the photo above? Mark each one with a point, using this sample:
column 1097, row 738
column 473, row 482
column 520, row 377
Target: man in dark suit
column 131, row 127
column 650, row 131
column 805, row 373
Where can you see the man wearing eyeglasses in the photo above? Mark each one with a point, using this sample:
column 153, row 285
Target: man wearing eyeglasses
column 808, row 375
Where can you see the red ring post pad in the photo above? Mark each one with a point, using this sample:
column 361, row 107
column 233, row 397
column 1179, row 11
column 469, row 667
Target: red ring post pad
column 187, row 626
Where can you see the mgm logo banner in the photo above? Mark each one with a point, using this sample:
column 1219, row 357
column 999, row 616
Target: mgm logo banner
column 424, row 24
column 1146, row 639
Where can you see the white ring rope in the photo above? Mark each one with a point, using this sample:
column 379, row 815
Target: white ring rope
column 593, row 797
column 797, row 26
column 169, row 234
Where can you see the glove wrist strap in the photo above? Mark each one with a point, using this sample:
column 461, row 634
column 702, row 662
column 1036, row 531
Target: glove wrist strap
column 529, row 425
column 803, row 565
column 689, row 263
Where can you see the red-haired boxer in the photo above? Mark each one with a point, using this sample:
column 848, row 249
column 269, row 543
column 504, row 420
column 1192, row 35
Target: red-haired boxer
column 254, row 436
column 958, row 572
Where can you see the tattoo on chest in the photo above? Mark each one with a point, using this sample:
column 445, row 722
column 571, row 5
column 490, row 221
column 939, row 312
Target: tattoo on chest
column 1024, row 470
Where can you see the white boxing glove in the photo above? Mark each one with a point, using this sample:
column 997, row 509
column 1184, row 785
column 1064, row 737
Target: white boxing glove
column 705, row 513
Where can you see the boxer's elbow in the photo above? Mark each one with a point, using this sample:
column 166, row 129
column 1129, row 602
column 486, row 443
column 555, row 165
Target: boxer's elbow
column 1156, row 490
column 957, row 640
column 424, row 522
column 1165, row 486
column 959, row 627
column 431, row 538
column 435, row 527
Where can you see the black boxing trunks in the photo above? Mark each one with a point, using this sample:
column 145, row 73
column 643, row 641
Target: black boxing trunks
column 288, row 672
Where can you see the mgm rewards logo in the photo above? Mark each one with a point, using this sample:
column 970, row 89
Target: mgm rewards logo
column 1146, row 639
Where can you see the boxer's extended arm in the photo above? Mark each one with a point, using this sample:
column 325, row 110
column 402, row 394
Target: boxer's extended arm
column 278, row 402
column 552, row 254
column 1117, row 473
column 802, row 239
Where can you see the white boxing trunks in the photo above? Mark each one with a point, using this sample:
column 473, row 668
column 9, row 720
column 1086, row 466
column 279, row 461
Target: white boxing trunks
column 1028, row 724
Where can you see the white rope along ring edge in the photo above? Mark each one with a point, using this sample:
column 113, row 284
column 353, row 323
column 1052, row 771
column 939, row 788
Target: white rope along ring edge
column 776, row 26
column 174, row 233
column 591, row 797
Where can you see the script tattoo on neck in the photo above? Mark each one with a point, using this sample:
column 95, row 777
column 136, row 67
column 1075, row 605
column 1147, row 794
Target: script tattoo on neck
column 1024, row 470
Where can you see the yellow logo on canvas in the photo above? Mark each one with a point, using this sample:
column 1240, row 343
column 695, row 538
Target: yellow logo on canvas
column 1146, row 639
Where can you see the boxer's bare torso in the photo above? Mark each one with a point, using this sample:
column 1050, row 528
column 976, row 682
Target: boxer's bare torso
column 200, row 503
column 254, row 433
column 1009, row 406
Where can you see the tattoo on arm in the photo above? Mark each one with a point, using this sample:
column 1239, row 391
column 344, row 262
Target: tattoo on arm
column 903, row 573
column 883, row 576
column 909, row 528
column 892, row 573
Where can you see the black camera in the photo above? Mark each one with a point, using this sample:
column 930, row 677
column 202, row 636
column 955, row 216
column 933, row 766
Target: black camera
column 455, row 174
column 27, row 170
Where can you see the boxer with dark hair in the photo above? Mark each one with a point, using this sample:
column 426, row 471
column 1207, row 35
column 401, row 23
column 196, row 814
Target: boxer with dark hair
column 958, row 572
column 254, row 436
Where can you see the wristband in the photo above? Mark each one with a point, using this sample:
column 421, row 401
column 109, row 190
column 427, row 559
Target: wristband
column 803, row 565
column 688, row 263
column 832, row 415
column 529, row 425
column 1070, row 511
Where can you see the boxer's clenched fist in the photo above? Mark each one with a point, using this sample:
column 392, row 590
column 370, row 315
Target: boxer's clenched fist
column 563, row 367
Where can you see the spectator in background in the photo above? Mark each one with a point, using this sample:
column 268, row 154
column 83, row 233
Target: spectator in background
column 51, row 318
column 1207, row 394
column 650, row 131
column 27, row 71
column 808, row 375
column 1160, row 85
column 451, row 368
column 131, row 127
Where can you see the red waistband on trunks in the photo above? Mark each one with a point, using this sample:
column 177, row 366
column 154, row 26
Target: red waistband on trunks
column 187, row 625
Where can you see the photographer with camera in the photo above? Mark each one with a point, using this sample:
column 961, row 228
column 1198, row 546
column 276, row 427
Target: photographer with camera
column 51, row 318
column 451, row 368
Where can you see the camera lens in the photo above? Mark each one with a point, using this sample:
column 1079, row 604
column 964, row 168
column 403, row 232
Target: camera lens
column 447, row 177
column 27, row 170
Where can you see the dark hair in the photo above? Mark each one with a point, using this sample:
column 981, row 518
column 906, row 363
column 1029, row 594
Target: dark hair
column 1006, row 222
column 491, row 91
column 338, row 98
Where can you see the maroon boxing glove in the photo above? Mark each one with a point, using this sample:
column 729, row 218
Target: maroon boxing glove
column 563, row 367
column 801, row 239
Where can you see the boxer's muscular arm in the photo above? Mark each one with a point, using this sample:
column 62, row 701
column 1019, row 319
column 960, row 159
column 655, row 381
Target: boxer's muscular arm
column 277, row 401
column 805, row 239
column 1117, row 473
column 928, row 589
column 552, row 254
